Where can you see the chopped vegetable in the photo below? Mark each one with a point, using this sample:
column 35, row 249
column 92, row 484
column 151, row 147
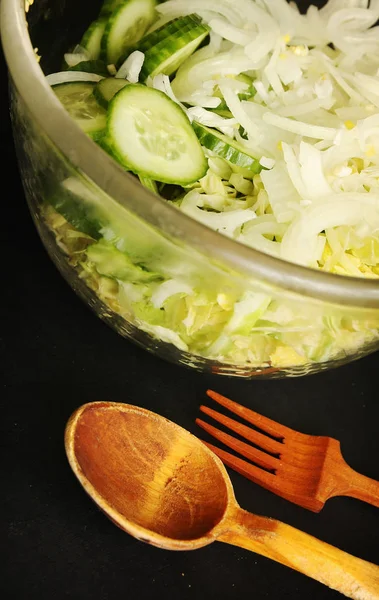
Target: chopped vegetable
column 91, row 40
column 227, row 148
column 78, row 99
column 125, row 26
column 265, row 120
column 107, row 88
column 166, row 48
column 149, row 134
column 91, row 66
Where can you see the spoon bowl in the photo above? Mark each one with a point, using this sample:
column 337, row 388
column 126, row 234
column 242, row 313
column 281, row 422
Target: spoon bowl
column 157, row 481
column 162, row 485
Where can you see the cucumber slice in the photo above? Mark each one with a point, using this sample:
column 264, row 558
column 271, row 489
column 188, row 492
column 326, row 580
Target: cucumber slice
column 76, row 212
column 150, row 134
column 107, row 88
column 91, row 66
column 125, row 27
column 78, row 99
column 90, row 211
column 91, row 39
column 166, row 48
column 224, row 146
column 109, row 6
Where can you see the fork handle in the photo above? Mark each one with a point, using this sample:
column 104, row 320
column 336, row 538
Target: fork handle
column 351, row 576
column 351, row 483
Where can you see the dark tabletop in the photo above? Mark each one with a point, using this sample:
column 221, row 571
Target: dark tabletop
column 56, row 355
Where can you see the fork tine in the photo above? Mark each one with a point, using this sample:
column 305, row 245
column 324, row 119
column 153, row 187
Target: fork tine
column 257, row 456
column 259, row 439
column 263, row 478
column 264, row 423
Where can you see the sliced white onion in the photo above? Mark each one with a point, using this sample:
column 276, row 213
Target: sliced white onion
column 187, row 7
column 131, row 67
column 211, row 119
column 230, row 32
column 162, row 82
column 74, row 58
column 225, row 222
column 267, row 162
column 67, row 76
column 283, row 197
column 300, row 243
column 237, row 108
column 312, row 171
column 304, row 129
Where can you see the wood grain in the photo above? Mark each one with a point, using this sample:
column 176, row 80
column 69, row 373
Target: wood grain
column 162, row 485
column 304, row 469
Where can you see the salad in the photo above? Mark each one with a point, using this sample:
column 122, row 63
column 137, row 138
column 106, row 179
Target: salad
column 256, row 120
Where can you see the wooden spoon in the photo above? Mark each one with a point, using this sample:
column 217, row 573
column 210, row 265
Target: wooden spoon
column 162, row 485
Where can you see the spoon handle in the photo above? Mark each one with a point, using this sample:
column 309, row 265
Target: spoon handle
column 353, row 577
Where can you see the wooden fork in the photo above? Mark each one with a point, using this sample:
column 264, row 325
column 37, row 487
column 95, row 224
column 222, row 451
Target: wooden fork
column 305, row 469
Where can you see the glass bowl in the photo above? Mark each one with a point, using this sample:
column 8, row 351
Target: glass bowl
column 327, row 319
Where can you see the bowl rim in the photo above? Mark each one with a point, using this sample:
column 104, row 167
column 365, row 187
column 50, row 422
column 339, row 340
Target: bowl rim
column 29, row 80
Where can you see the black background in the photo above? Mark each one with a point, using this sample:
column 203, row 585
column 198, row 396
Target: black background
column 56, row 355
